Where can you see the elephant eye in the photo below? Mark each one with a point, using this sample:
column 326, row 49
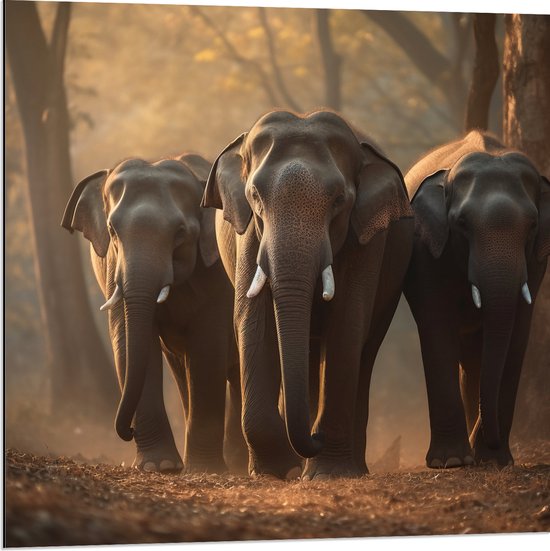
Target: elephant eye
column 180, row 234
column 339, row 201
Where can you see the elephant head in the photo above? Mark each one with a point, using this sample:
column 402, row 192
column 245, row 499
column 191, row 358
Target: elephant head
column 491, row 212
column 304, row 181
column 145, row 220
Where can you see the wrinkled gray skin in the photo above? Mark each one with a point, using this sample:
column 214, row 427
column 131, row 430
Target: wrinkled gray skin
column 482, row 219
column 300, row 194
column 147, row 231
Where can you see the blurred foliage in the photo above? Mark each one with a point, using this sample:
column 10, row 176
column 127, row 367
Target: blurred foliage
column 151, row 80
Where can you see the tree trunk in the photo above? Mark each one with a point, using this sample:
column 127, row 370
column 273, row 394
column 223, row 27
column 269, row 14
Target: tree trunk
column 441, row 72
column 82, row 377
column 527, row 128
column 331, row 62
column 485, row 72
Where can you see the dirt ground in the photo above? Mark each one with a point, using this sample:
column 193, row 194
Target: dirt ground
column 62, row 501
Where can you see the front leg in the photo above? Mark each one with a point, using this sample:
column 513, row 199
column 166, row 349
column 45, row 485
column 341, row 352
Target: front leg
column 270, row 452
column 206, row 361
column 155, row 446
column 432, row 295
column 346, row 326
column 508, row 392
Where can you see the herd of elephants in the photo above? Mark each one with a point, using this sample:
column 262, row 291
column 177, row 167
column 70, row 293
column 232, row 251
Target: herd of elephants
column 269, row 279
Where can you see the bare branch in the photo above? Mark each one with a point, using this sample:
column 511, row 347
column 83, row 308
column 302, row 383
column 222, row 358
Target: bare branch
column 413, row 42
column 281, row 86
column 234, row 53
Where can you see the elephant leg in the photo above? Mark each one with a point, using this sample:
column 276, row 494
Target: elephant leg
column 508, row 393
column 431, row 292
column 270, row 452
column 346, row 328
column 177, row 367
column 264, row 430
column 471, row 345
column 370, row 351
column 156, row 449
column 155, row 446
column 235, row 448
column 206, row 371
column 449, row 446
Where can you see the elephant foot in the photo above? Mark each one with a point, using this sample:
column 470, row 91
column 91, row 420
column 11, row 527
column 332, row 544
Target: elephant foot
column 448, row 455
column 501, row 457
column 323, row 468
column 196, row 465
column 283, row 469
column 158, row 460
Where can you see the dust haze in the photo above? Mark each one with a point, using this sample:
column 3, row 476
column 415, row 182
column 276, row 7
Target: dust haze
column 153, row 81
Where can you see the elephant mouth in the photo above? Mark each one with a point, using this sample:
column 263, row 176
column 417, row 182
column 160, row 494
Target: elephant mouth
column 117, row 296
column 260, row 278
column 525, row 293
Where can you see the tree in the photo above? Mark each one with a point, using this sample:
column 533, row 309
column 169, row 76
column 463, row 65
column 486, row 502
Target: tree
column 485, row 72
column 445, row 73
column 82, row 376
column 331, row 62
column 527, row 128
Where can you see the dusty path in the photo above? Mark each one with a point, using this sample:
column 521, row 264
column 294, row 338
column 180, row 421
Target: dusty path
column 56, row 501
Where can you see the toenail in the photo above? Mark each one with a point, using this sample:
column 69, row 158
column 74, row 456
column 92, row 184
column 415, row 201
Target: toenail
column 149, row 466
column 436, row 464
column 453, row 462
column 294, row 473
column 166, row 465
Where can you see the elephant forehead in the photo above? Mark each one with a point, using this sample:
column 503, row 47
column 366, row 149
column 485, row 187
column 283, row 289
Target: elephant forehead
column 144, row 176
column 507, row 162
column 319, row 125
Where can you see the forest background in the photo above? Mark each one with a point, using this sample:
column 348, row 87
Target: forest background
column 101, row 82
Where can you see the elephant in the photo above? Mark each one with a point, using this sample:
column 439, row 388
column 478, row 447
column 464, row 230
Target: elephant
column 155, row 257
column 315, row 232
column 482, row 238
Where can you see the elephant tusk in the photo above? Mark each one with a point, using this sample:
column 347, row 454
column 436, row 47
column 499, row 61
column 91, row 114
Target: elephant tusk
column 115, row 297
column 476, row 295
column 328, row 283
column 163, row 295
column 526, row 294
column 257, row 283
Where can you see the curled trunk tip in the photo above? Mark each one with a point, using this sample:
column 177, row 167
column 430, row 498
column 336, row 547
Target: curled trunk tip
column 123, row 429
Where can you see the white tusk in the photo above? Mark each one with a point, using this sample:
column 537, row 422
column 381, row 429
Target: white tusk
column 257, row 283
column 476, row 295
column 526, row 294
column 328, row 283
column 163, row 295
column 115, row 297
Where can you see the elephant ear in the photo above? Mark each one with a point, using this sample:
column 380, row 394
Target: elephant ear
column 543, row 238
column 381, row 196
column 208, row 247
column 225, row 187
column 84, row 212
column 198, row 165
column 431, row 225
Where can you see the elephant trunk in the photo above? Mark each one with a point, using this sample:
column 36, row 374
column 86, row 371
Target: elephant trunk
column 499, row 294
column 292, row 306
column 140, row 298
